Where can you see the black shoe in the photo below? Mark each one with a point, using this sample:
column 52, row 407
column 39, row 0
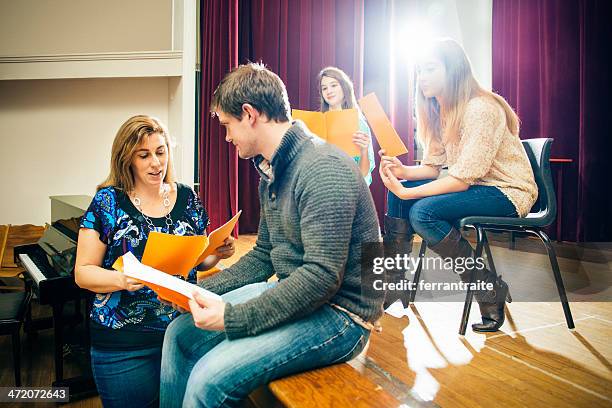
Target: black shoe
column 492, row 313
column 492, row 302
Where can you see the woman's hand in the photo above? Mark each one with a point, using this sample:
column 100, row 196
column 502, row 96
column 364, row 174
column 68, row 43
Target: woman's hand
column 129, row 284
column 223, row 252
column 172, row 305
column 227, row 249
column 362, row 141
column 393, row 164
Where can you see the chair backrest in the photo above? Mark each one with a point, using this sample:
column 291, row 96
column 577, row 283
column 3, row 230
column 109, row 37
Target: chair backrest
column 538, row 152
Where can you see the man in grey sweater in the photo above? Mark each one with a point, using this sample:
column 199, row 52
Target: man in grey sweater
column 316, row 211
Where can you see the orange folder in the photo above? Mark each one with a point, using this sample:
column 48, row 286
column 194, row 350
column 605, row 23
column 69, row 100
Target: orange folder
column 167, row 287
column 216, row 238
column 335, row 127
column 173, row 254
column 384, row 132
column 177, row 254
column 164, row 293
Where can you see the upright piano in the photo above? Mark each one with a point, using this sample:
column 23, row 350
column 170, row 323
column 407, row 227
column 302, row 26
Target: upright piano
column 49, row 266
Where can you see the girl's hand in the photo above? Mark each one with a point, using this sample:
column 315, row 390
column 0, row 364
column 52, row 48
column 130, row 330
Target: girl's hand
column 362, row 141
column 393, row 164
column 392, row 183
column 227, row 249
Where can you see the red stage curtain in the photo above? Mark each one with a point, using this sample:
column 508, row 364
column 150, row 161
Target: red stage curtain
column 218, row 167
column 549, row 63
column 296, row 39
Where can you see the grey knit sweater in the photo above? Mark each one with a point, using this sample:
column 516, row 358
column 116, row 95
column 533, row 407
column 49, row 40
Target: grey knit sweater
column 316, row 210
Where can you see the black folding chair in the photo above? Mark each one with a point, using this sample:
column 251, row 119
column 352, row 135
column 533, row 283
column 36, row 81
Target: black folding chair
column 13, row 307
column 541, row 215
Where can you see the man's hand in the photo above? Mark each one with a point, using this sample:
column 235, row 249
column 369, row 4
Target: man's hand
column 208, row 314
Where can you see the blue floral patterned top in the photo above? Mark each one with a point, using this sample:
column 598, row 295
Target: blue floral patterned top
column 136, row 319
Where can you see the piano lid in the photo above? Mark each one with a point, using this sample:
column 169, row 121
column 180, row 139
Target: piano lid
column 54, row 241
column 66, row 213
column 60, row 250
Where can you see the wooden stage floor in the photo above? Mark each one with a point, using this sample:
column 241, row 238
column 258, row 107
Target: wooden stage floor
column 421, row 360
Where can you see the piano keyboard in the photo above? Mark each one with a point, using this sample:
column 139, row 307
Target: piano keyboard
column 35, row 272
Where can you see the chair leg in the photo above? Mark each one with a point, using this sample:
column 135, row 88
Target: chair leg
column 488, row 252
column 17, row 357
column 480, row 238
column 417, row 273
column 555, row 267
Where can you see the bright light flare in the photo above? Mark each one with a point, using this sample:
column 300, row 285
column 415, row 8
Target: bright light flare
column 410, row 42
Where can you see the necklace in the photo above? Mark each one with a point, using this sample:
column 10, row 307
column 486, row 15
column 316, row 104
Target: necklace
column 166, row 207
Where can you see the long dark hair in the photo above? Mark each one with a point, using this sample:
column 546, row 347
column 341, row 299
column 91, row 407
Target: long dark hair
column 345, row 83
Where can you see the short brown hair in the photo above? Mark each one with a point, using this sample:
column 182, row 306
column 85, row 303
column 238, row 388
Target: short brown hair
column 254, row 84
column 129, row 136
column 345, row 83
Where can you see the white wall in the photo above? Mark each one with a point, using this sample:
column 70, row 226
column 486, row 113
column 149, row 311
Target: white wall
column 470, row 23
column 56, row 137
column 56, row 134
column 475, row 20
column 41, row 27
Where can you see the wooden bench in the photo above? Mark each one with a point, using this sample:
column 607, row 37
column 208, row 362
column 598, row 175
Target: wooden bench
column 339, row 385
column 371, row 380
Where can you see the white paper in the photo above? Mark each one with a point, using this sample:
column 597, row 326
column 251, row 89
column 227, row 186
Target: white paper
column 134, row 269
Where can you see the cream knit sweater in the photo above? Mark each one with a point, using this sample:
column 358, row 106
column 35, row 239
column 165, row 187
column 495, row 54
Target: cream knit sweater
column 487, row 154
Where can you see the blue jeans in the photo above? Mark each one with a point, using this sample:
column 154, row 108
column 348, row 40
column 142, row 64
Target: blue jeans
column 127, row 378
column 204, row 369
column 433, row 217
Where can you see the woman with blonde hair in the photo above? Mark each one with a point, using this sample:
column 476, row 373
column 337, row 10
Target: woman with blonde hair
column 474, row 132
column 337, row 93
column 128, row 322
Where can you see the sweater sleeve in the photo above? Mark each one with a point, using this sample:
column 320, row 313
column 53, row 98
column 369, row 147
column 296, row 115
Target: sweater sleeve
column 255, row 266
column 433, row 153
column 483, row 128
column 326, row 199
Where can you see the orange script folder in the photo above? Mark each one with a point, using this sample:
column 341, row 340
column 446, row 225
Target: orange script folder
column 335, row 127
column 176, row 254
column 166, row 255
column 168, row 287
column 387, row 137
